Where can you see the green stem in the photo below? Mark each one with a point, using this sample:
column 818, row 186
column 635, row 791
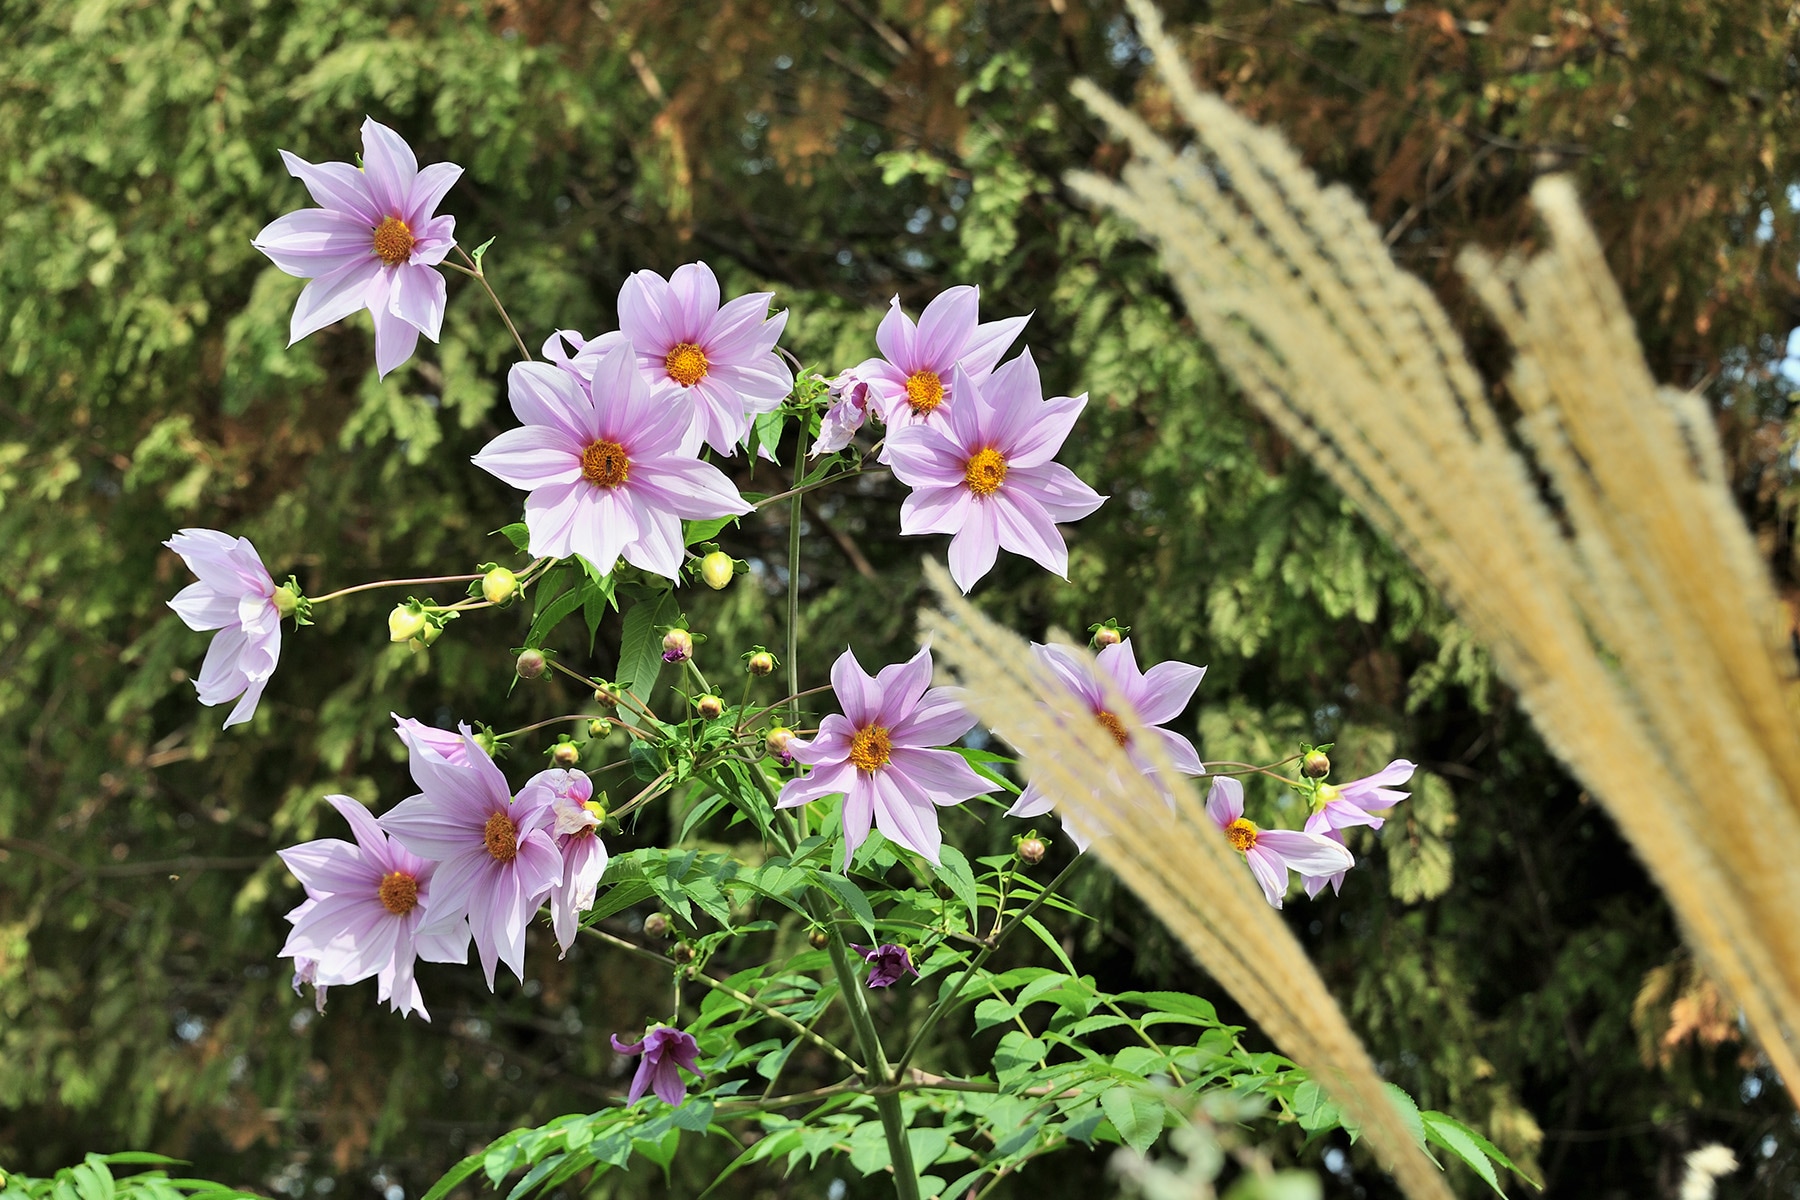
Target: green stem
column 793, row 565
column 388, row 583
column 887, row 1103
column 480, row 276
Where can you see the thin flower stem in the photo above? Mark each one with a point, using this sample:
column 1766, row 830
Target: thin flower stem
column 793, row 700
column 993, row 942
column 481, row 277
column 388, row 583
column 797, row 490
column 536, row 725
column 651, row 790
column 1253, row 769
column 793, row 580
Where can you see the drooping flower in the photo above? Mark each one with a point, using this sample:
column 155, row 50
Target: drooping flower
column 882, row 754
column 1342, row 806
column 1272, row 853
column 846, row 415
column 496, row 860
column 368, row 912
column 421, row 738
column 913, row 380
column 372, row 243
column 889, row 963
column 235, row 596
column 1158, row 696
column 575, row 827
column 664, row 1049
column 985, row 473
column 605, row 467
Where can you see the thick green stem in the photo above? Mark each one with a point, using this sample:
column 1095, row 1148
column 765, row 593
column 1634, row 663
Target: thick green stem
column 887, row 1104
column 793, row 582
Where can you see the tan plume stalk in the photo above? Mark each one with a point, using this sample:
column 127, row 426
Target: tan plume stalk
column 1178, row 861
column 1630, row 610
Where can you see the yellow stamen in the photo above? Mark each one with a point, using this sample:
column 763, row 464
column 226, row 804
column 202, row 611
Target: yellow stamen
column 985, row 472
column 394, row 242
column 399, row 893
column 870, row 748
column 686, row 364
column 924, row 391
column 605, row 464
column 1241, row 834
column 1114, row 726
column 502, row 837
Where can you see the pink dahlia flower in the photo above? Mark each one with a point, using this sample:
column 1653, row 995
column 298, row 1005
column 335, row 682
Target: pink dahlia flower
column 664, row 1049
column 422, row 738
column 1272, row 853
column 575, row 827
column 236, row 597
column 913, row 380
column 605, row 466
column 368, row 912
column 496, row 858
column 1158, row 696
column 882, row 755
column 1344, row 805
column 846, row 415
column 371, row 243
column 985, row 473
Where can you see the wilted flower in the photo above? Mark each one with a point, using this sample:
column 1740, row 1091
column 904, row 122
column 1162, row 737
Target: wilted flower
column 846, row 415
column 1158, row 696
column 913, row 381
column 306, row 970
column 881, row 755
column 605, row 466
column 368, row 912
column 664, row 1049
column 985, row 474
column 371, row 243
column 1272, row 853
column 236, row 597
column 496, row 861
column 1341, row 806
column 575, row 827
column 889, row 963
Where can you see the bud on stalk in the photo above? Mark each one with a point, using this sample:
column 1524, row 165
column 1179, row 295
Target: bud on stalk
column 710, row 706
column 1315, row 765
column 405, row 623
column 499, row 585
column 761, row 663
column 531, row 664
column 565, row 754
column 678, row 646
column 717, row 569
column 1031, row 850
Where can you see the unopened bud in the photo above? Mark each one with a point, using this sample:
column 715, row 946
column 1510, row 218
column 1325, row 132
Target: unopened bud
column 710, row 706
column 430, row 633
column 565, row 755
column 286, row 600
column 1032, row 850
column 405, row 623
column 656, row 925
column 678, row 646
column 780, row 744
column 819, row 939
column 499, row 585
column 682, row 953
column 606, row 696
column 1315, row 765
column 1106, row 635
column 717, row 569
column 761, row 663
column 531, row 664
column 599, row 727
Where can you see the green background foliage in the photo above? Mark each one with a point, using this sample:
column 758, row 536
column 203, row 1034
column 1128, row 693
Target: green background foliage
column 1499, row 949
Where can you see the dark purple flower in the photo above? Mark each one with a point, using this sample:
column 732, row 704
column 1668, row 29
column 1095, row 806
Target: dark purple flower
column 664, row 1048
column 888, row 963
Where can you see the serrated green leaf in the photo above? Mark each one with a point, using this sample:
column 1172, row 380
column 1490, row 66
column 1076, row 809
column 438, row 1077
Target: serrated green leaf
column 640, row 646
column 954, row 870
column 1137, row 1115
column 1459, row 1139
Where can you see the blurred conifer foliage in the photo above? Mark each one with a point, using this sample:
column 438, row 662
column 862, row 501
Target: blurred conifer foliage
column 1505, row 958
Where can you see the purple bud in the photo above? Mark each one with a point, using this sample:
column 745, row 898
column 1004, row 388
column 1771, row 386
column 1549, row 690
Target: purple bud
column 678, row 646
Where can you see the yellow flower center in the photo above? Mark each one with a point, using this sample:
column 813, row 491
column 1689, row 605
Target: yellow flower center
column 605, row 464
column 1241, row 834
column 870, row 748
column 924, row 391
column 1113, row 725
column 686, row 364
column 502, row 837
column 399, row 893
column 394, row 242
column 985, row 472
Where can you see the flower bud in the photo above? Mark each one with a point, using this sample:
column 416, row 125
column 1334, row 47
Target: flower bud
column 1031, row 850
column 599, row 727
column 606, row 696
column 531, row 664
column 405, row 623
column 1106, row 635
column 430, row 633
column 780, row 744
column 565, row 754
column 710, row 706
column 656, row 925
column 818, row 939
column 682, row 953
column 761, row 663
column 286, row 599
column 678, row 646
column 1315, row 765
column 499, row 585
column 717, row 569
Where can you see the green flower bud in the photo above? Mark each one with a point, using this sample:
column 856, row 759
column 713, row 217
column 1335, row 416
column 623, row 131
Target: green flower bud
column 565, row 755
column 599, row 727
column 761, row 663
column 405, row 623
column 531, row 664
column 710, row 707
column 1106, row 635
column 429, row 634
column 656, row 925
column 1315, row 765
column 499, row 585
column 818, row 939
column 717, row 569
column 779, row 744
column 606, row 696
